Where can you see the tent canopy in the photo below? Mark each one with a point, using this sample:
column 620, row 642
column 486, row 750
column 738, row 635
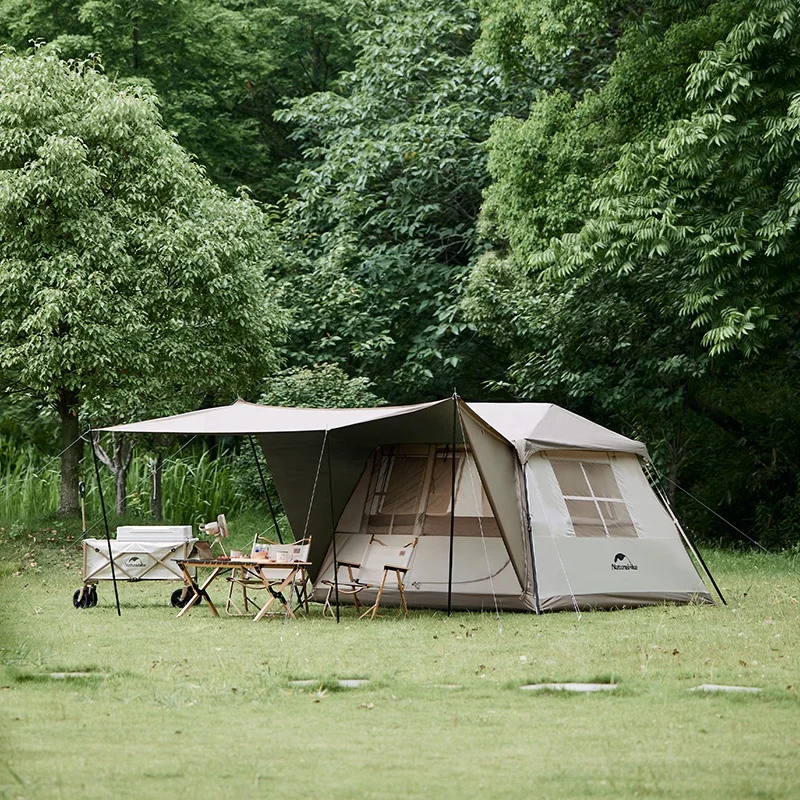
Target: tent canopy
column 530, row 427
column 317, row 456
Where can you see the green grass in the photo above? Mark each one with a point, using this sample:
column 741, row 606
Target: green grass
column 204, row 706
column 195, row 487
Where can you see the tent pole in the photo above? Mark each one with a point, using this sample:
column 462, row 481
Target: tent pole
column 105, row 520
column 536, row 605
column 333, row 530
column 689, row 543
column 452, row 512
column 266, row 493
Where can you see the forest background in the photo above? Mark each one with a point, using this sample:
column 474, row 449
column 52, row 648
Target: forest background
column 585, row 202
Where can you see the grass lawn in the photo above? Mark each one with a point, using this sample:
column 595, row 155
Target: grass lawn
column 203, row 707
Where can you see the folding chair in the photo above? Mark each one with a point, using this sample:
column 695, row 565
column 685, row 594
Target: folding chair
column 350, row 587
column 395, row 558
column 295, row 553
column 391, row 554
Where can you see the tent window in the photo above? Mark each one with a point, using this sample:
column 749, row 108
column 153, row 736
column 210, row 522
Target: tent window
column 395, row 503
column 593, row 499
column 473, row 512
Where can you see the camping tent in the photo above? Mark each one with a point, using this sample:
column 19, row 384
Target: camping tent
column 551, row 511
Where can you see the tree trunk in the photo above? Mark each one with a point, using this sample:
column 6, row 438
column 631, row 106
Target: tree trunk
column 156, row 470
column 118, row 464
column 136, row 58
column 72, row 449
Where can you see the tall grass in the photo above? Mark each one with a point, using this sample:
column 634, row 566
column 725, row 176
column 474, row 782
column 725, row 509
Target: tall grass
column 195, row 486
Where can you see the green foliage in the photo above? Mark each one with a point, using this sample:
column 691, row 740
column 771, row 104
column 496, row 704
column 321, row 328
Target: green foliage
column 220, row 68
column 126, row 276
column 714, row 197
column 323, row 386
column 382, row 228
column 196, row 487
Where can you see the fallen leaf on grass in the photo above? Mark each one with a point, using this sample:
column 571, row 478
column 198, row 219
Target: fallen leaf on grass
column 368, row 706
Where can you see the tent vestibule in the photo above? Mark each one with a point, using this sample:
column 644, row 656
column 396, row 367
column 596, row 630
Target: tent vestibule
column 551, row 510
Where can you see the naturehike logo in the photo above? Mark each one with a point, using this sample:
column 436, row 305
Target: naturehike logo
column 134, row 561
column 621, row 561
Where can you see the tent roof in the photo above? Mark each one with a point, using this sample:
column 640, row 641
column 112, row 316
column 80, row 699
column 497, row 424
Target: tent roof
column 530, row 427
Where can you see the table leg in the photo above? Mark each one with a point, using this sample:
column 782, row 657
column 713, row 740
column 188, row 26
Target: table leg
column 200, row 591
column 276, row 594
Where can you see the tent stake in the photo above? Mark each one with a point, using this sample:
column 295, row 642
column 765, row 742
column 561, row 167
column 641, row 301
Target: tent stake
column 452, row 512
column 266, row 493
column 105, row 521
column 333, row 531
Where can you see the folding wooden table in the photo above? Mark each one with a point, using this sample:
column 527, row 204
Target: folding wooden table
column 255, row 566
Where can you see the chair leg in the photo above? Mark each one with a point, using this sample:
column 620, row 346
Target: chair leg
column 326, row 606
column 378, row 598
column 402, row 589
column 355, row 594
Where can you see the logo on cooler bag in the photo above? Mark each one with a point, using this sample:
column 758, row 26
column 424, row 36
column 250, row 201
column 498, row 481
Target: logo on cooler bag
column 621, row 561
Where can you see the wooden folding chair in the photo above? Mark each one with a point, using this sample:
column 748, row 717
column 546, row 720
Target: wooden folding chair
column 394, row 558
column 351, row 587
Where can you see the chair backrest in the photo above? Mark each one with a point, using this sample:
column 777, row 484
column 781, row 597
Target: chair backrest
column 386, row 551
column 289, row 553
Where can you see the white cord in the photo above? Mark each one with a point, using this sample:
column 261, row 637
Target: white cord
column 480, row 522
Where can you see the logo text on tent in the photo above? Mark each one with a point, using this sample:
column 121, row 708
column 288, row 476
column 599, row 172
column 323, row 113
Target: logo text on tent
column 621, row 561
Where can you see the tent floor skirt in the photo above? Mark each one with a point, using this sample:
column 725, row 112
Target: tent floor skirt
column 589, row 602
column 461, row 601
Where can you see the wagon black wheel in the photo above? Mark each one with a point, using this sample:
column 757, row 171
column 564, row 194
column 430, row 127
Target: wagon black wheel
column 180, row 597
column 81, row 598
column 92, row 600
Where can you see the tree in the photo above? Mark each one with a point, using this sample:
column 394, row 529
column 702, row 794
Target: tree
column 381, row 229
column 129, row 283
column 220, row 68
column 320, row 386
column 644, row 238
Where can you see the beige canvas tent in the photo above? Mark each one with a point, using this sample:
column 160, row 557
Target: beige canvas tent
column 551, row 510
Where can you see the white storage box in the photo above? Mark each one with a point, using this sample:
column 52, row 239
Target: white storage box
column 162, row 534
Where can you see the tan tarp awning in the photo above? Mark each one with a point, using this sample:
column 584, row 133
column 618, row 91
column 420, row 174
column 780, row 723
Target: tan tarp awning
column 530, row 427
column 294, row 439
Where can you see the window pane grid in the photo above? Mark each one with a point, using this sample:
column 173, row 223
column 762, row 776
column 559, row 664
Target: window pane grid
column 610, row 512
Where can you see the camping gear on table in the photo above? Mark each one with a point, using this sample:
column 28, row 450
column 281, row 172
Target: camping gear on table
column 271, row 572
column 139, row 553
column 522, row 506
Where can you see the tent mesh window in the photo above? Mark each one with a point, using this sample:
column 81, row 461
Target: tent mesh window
column 411, row 493
column 473, row 512
column 395, row 503
column 593, row 497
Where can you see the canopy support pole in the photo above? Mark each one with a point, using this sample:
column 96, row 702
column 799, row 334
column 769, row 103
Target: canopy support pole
column 333, row 529
column 452, row 512
column 264, row 487
column 105, row 519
